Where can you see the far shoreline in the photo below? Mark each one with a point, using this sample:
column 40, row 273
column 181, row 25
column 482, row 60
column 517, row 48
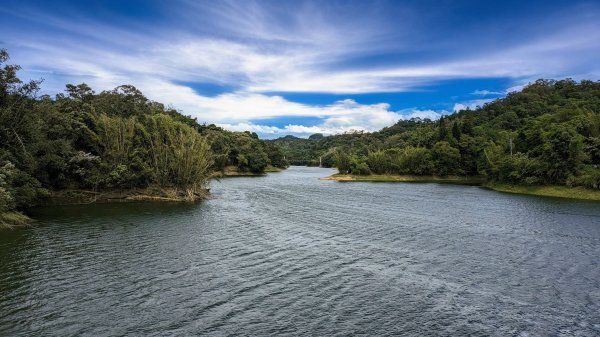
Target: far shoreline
column 232, row 172
column 555, row 191
column 407, row 179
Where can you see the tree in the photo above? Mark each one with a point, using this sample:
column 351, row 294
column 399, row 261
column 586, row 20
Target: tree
column 554, row 127
column 342, row 162
column 416, row 160
column 456, row 133
column 81, row 91
column 519, row 169
column 7, row 201
column 252, row 158
column 593, row 150
column 276, row 156
column 562, row 152
column 442, row 129
column 446, row 158
column 358, row 166
column 379, row 162
column 116, row 139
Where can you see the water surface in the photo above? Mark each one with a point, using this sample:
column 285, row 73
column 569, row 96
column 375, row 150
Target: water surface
column 291, row 254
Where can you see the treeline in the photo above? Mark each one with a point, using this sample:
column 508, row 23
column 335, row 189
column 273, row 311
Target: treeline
column 549, row 133
column 243, row 150
column 115, row 139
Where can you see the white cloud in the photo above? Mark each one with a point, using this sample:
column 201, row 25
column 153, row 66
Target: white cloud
column 343, row 116
column 272, row 131
column 424, row 114
column 302, row 55
column 258, row 51
column 515, row 88
column 487, row 92
column 460, row 106
column 473, row 104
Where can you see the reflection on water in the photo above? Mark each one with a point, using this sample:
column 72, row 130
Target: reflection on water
column 290, row 254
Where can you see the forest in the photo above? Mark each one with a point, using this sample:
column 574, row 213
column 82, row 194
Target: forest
column 546, row 134
column 112, row 140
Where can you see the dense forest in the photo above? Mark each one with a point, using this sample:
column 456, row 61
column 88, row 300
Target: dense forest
column 547, row 134
column 112, row 140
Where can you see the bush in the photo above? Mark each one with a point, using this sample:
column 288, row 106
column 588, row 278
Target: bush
column 360, row 168
column 342, row 162
column 446, row 158
column 520, row 169
column 7, row 201
column 26, row 190
column 379, row 162
column 562, row 153
column 416, row 160
column 589, row 178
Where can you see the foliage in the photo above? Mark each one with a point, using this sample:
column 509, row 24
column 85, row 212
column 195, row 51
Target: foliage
column 115, row 139
column 343, row 162
column 549, row 133
column 446, row 158
column 6, row 198
column 416, row 160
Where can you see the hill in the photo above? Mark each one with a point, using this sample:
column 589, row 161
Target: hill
column 115, row 140
column 546, row 134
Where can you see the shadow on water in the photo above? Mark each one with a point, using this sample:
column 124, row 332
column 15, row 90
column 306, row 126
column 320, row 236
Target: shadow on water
column 107, row 211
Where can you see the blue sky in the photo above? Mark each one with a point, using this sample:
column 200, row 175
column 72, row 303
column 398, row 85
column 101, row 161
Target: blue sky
column 300, row 67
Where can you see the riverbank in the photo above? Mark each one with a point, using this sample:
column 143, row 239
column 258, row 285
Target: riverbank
column 407, row 178
column 12, row 220
column 579, row 193
column 168, row 194
column 273, row 169
column 548, row 191
column 232, row 171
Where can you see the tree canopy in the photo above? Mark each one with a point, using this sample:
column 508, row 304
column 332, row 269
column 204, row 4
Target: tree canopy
column 548, row 133
column 115, row 139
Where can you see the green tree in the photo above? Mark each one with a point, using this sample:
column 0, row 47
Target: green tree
column 562, row 153
column 276, row 156
column 7, row 201
column 379, row 162
column 519, row 169
column 446, row 158
column 456, row 132
column 416, row 160
column 342, row 162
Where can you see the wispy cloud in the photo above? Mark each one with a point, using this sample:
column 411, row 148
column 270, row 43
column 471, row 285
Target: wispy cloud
column 346, row 116
column 262, row 48
column 487, row 93
column 472, row 104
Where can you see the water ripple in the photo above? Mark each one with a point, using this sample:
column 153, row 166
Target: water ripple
column 288, row 254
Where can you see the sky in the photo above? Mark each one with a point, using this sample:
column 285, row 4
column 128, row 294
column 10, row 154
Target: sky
column 302, row 67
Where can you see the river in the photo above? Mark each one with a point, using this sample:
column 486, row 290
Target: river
column 290, row 254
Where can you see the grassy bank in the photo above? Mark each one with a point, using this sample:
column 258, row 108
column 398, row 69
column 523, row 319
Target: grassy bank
column 11, row 220
column 407, row 178
column 65, row 197
column 548, row 191
column 233, row 171
column 273, row 169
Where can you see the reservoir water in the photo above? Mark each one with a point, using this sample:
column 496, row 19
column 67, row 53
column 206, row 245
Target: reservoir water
column 288, row 254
